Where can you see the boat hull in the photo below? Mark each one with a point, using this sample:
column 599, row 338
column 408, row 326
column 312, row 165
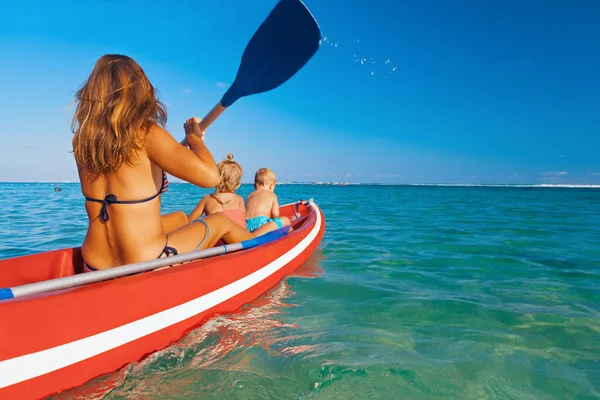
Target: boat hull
column 60, row 340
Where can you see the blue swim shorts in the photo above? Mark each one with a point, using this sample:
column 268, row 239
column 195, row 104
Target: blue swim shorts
column 253, row 224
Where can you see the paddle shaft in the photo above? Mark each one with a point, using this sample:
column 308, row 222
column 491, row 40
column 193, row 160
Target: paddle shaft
column 208, row 119
column 279, row 48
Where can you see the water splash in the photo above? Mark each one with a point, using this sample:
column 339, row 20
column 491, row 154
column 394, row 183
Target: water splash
column 377, row 64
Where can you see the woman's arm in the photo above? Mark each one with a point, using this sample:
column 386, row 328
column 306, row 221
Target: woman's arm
column 198, row 211
column 195, row 165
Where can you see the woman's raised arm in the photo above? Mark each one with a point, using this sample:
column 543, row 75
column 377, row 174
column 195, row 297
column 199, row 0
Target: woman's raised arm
column 194, row 165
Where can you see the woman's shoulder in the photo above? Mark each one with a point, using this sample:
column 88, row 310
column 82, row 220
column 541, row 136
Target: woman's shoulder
column 156, row 137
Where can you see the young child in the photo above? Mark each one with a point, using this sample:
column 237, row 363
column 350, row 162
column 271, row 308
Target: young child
column 224, row 198
column 262, row 207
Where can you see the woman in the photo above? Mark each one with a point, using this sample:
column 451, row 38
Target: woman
column 122, row 152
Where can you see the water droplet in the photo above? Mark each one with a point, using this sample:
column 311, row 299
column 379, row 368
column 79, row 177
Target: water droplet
column 325, row 39
column 373, row 73
column 364, row 60
column 388, row 61
column 358, row 41
column 355, row 56
column 336, row 45
column 395, row 68
column 374, row 62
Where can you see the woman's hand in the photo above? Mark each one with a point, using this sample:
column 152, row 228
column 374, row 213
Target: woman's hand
column 192, row 127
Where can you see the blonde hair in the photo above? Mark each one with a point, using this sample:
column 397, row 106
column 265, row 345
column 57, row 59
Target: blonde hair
column 116, row 107
column 263, row 178
column 231, row 176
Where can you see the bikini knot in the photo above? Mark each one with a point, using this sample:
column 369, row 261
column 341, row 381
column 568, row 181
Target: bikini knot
column 108, row 200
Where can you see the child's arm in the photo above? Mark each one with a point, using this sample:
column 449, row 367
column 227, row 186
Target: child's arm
column 198, row 211
column 275, row 207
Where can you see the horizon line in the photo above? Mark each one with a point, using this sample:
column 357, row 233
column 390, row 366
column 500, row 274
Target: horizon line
column 337, row 183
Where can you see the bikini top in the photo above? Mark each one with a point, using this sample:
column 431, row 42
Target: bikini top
column 112, row 199
column 236, row 215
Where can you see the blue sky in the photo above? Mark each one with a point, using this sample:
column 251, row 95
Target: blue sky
column 482, row 91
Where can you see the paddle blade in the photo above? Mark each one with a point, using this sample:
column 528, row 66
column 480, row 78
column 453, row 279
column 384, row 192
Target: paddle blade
column 283, row 44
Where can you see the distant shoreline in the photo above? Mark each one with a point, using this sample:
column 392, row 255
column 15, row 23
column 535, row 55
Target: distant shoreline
column 497, row 185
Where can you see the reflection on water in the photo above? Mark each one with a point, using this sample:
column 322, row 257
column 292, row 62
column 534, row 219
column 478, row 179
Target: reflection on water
column 224, row 343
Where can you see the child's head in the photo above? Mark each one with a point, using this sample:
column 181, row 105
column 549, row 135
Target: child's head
column 231, row 175
column 264, row 179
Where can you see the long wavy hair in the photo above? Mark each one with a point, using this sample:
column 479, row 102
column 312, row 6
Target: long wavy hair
column 116, row 107
column 231, row 175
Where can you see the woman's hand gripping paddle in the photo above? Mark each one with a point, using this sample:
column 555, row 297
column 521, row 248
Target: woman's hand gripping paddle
column 283, row 44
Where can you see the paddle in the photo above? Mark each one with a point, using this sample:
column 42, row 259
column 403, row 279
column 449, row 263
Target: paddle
column 283, row 44
column 116, row 272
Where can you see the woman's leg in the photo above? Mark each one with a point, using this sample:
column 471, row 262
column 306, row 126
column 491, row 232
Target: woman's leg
column 196, row 236
column 173, row 221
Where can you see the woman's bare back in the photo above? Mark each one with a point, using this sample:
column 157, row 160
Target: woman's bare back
column 132, row 232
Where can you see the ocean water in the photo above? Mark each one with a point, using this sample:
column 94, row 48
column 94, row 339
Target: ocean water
column 415, row 293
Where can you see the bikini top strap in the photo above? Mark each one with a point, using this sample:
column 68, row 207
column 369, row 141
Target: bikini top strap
column 112, row 199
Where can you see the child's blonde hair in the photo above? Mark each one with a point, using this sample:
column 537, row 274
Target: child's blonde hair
column 263, row 178
column 231, row 176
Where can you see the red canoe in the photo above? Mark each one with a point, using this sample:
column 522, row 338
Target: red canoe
column 53, row 341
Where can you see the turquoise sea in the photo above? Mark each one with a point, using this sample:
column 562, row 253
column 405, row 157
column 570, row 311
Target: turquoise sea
column 417, row 292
